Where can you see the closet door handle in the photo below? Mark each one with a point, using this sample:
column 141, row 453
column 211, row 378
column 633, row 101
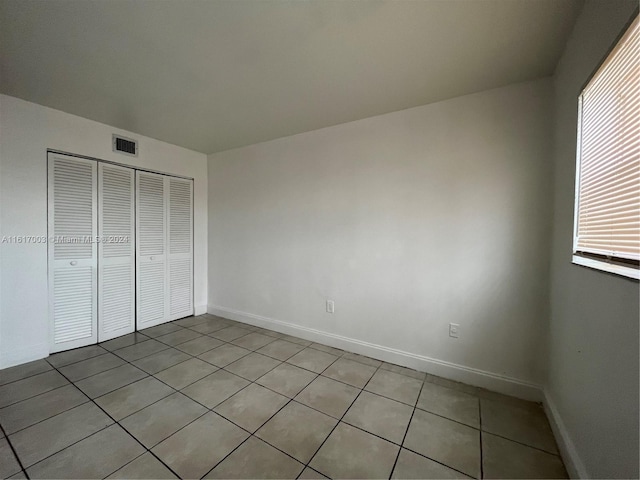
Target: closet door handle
column 73, row 262
column 151, row 258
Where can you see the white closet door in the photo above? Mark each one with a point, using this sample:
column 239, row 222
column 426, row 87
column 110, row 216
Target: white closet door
column 72, row 217
column 180, row 246
column 151, row 234
column 116, row 267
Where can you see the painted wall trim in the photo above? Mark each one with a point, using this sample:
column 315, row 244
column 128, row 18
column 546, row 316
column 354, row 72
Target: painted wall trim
column 199, row 310
column 574, row 465
column 452, row 371
column 18, row 356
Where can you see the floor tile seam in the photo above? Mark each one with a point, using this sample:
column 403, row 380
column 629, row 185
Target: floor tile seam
column 15, row 453
column 339, row 421
column 97, row 344
column 28, row 376
column 521, row 443
column 117, row 423
column 37, row 395
column 404, row 437
column 436, row 461
column 115, row 352
column 98, row 373
column 48, row 418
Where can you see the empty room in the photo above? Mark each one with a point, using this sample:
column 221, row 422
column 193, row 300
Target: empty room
column 284, row 239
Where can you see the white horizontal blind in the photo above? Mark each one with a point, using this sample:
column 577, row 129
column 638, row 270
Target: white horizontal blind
column 608, row 215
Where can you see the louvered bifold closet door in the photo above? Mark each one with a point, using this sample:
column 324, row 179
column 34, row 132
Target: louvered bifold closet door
column 116, row 262
column 151, row 235
column 180, row 248
column 72, row 251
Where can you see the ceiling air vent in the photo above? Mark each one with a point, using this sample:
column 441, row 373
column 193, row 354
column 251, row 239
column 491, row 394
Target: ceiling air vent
column 125, row 145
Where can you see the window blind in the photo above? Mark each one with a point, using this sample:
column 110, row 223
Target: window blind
column 608, row 196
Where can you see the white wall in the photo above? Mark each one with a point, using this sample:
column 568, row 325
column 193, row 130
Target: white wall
column 27, row 130
column 593, row 337
column 409, row 221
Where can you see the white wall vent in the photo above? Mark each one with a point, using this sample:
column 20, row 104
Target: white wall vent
column 124, row 145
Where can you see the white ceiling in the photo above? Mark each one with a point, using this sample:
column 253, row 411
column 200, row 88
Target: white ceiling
column 213, row 75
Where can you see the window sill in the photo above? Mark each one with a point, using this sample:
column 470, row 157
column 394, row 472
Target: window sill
column 607, row 267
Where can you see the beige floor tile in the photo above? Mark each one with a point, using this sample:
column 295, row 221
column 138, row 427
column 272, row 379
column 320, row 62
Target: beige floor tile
column 52, row 435
column 185, row 373
column 454, row 404
column 310, row 474
column 92, row 366
column 503, row 458
column 215, row 388
column 326, row 348
column 94, row 457
column 255, row 459
column 348, row 371
column 403, row 370
column 253, row 341
column 312, row 359
column 253, row 366
column 158, row 421
column 287, row 379
column 35, row 409
column 8, row 462
column 199, row 345
column 379, row 415
column 297, row 430
column 105, row 382
column 140, row 350
column 445, row 441
column 192, row 321
column 160, row 330
column 198, row 447
column 124, row 341
column 224, row 355
column 395, row 386
column 25, row 370
column 281, row 349
column 29, row 387
column 298, row 340
column 328, row 396
column 176, row 338
column 352, row 453
column 77, row 354
column 362, row 359
column 129, row 399
column 251, row 406
column 144, row 467
column 524, row 422
column 230, row 333
column 413, row 466
column 161, row 361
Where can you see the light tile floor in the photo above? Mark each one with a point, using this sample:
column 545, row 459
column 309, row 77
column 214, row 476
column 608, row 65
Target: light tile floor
column 207, row 397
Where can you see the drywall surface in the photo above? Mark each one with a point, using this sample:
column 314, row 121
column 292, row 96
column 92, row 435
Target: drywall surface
column 27, row 130
column 593, row 337
column 409, row 221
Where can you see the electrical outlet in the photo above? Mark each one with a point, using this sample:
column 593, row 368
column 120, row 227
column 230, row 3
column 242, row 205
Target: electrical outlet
column 453, row 330
column 330, row 306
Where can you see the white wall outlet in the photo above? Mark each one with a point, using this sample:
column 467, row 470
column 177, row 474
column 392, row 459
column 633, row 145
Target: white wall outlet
column 453, row 330
column 330, row 306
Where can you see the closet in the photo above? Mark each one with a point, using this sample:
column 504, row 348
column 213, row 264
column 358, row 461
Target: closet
column 120, row 250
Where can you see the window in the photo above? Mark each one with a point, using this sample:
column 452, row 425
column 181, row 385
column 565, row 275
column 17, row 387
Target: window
column 607, row 218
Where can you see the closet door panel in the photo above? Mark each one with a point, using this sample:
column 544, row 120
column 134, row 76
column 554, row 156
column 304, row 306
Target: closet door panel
column 116, row 263
column 72, row 251
column 180, row 243
column 151, row 235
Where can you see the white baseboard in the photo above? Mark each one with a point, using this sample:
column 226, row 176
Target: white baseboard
column 22, row 355
column 480, row 378
column 568, row 452
column 199, row 310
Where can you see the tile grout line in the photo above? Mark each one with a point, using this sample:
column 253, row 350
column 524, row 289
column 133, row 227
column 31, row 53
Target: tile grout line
column 15, row 454
column 115, row 423
column 406, row 430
